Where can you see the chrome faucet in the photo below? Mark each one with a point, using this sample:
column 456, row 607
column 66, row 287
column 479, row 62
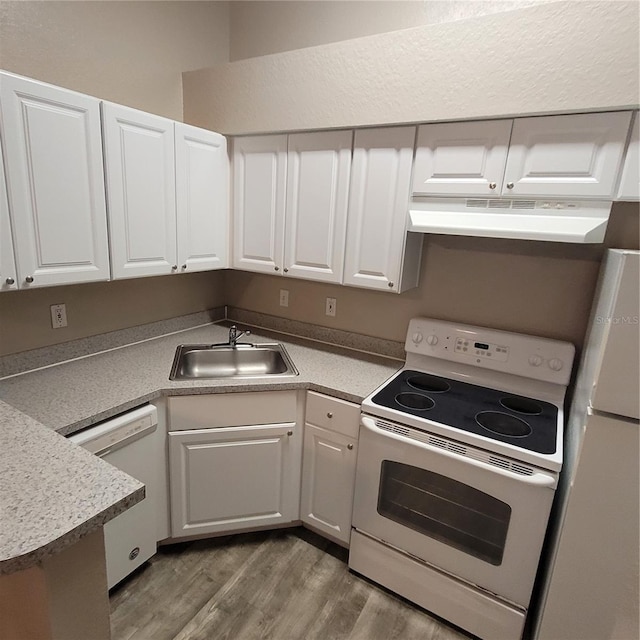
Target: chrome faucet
column 234, row 336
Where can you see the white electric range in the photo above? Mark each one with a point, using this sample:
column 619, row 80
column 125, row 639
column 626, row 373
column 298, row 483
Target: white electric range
column 458, row 461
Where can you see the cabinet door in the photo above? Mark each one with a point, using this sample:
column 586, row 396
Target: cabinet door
column 7, row 263
column 202, row 189
column 259, row 176
column 575, row 155
column 461, row 158
column 139, row 157
column 630, row 181
column 376, row 230
column 236, row 478
column 55, row 183
column 328, row 477
column 317, row 197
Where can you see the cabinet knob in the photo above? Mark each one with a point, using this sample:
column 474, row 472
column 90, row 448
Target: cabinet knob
column 276, row 268
column 492, row 185
column 174, row 267
column 10, row 281
column 29, row 279
column 286, row 270
column 289, row 433
column 509, row 185
column 350, row 447
column 390, row 285
column 329, row 414
column 184, row 267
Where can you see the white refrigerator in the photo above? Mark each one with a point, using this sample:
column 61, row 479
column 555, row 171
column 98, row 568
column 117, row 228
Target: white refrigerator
column 590, row 591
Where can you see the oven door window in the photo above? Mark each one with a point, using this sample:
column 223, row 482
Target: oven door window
column 444, row 509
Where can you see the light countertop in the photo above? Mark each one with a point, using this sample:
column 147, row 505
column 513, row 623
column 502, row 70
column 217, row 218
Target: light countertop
column 54, row 492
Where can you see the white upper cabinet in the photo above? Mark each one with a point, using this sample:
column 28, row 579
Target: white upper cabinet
column 318, row 168
column 630, row 181
column 140, row 172
column 573, row 155
column 7, row 263
column 202, row 188
column 55, row 183
column 576, row 155
column 461, row 158
column 379, row 252
column 259, row 179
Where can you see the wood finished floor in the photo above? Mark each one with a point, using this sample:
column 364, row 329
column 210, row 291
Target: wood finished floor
column 281, row 585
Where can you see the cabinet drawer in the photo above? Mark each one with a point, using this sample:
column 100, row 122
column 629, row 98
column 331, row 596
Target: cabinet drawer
column 231, row 410
column 334, row 414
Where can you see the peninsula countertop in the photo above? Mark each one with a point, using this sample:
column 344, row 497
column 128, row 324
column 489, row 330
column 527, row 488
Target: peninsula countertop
column 54, row 492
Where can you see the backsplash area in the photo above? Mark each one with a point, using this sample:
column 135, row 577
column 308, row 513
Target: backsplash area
column 101, row 307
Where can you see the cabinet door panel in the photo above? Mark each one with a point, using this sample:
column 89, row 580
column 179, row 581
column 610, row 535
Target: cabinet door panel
column 461, row 158
column 53, row 161
column 202, row 187
column 316, row 211
column 8, row 276
column 139, row 152
column 259, row 176
column 233, row 479
column 574, row 155
column 328, row 477
column 379, row 192
column 630, row 181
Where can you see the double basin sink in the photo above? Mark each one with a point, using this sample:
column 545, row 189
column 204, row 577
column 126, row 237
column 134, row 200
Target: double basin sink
column 206, row 361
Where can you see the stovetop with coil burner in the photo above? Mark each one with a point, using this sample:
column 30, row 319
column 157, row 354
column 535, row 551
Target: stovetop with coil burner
column 516, row 420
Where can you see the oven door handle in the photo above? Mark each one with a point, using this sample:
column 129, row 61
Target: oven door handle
column 538, row 478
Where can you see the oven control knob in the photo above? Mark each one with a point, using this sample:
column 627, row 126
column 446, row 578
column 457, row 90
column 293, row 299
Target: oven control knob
column 535, row 361
column 555, row 364
column 417, row 337
column 432, row 340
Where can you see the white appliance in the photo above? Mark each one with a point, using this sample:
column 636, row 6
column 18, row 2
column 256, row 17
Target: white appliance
column 127, row 442
column 459, row 457
column 591, row 588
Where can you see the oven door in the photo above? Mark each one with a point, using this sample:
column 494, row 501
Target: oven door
column 446, row 504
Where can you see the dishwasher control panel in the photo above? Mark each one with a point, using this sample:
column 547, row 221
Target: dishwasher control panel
column 125, row 428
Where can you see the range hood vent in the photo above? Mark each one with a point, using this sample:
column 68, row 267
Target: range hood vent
column 548, row 220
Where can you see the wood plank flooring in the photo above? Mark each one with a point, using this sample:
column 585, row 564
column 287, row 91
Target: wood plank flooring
column 279, row 585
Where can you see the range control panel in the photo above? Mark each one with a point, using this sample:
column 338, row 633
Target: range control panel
column 483, row 349
column 514, row 353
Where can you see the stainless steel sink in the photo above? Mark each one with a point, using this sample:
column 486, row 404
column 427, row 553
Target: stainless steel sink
column 197, row 361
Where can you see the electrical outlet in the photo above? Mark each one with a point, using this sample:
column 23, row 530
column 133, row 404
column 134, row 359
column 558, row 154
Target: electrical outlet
column 58, row 316
column 284, row 298
column 330, row 309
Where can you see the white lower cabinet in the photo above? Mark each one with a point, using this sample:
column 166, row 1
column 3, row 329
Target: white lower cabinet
column 240, row 476
column 329, row 466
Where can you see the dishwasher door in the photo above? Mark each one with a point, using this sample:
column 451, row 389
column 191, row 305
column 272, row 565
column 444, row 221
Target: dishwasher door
column 128, row 443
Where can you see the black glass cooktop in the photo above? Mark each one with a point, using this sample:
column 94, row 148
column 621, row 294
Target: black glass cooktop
column 522, row 422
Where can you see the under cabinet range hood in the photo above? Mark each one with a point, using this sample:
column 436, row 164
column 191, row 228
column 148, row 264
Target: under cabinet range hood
column 553, row 220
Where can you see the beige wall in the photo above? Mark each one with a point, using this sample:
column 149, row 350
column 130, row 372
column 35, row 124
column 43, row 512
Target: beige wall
column 541, row 288
column 93, row 308
column 555, row 57
column 132, row 53
column 260, row 28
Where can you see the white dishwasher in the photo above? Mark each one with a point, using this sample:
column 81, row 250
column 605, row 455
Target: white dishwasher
column 128, row 443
